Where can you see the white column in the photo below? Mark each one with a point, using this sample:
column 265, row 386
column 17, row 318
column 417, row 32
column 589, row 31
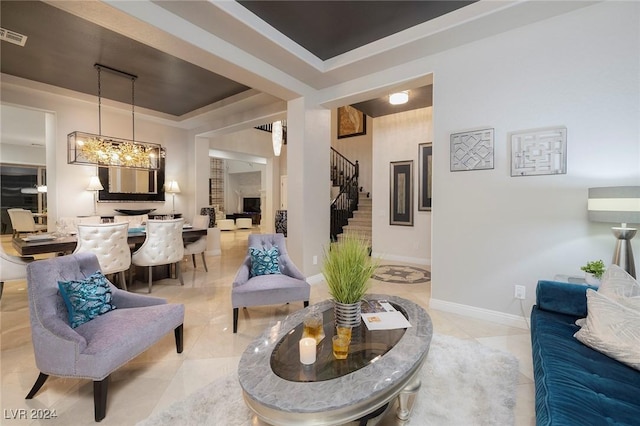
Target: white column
column 200, row 175
column 308, row 144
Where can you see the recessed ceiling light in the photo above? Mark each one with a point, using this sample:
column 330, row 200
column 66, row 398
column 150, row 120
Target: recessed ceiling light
column 399, row 98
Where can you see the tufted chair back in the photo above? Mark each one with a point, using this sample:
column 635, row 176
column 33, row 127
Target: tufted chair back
column 109, row 243
column 163, row 246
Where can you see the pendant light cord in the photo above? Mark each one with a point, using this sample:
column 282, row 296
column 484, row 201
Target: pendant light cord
column 133, row 114
column 99, row 103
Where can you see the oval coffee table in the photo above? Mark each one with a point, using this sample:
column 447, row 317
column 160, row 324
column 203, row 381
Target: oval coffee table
column 331, row 391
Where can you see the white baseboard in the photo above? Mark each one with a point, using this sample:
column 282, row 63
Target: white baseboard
column 404, row 259
column 480, row 313
column 315, row 279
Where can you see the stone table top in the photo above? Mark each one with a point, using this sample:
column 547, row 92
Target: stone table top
column 373, row 384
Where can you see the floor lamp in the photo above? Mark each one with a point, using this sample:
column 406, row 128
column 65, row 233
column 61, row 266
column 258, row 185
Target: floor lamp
column 617, row 204
column 172, row 188
column 95, row 186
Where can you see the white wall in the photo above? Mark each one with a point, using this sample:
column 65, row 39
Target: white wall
column 492, row 231
column 257, row 143
column 20, row 154
column 66, row 183
column 22, row 136
column 241, row 185
column 356, row 148
column 396, row 138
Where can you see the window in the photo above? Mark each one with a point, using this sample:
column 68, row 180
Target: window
column 216, row 184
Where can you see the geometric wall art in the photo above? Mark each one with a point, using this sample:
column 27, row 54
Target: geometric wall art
column 472, row 150
column 539, row 152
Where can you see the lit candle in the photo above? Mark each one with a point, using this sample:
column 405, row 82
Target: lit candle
column 307, row 350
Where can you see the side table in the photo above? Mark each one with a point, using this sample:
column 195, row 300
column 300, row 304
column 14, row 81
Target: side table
column 573, row 279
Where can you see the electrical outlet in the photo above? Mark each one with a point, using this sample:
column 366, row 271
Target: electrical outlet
column 519, row 291
column 315, row 260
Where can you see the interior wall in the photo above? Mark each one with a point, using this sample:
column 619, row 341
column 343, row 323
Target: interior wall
column 19, row 154
column 492, row 231
column 199, row 178
column 256, row 143
column 22, row 135
column 396, row 138
column 241, row 185
column 66, row 184
column 308, row 194
column 356, row 148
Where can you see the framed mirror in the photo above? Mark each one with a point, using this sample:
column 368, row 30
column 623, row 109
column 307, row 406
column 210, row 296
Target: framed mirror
column 123, row 184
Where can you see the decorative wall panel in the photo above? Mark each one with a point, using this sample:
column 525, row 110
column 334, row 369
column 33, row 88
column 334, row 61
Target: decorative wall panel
column 539, row 152
column 472, row 150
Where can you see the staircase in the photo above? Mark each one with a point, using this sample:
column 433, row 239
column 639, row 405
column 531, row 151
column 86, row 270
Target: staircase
column 360, row 223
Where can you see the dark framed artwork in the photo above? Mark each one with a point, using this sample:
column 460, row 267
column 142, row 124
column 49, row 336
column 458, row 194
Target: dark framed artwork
column 425, row 154
column 351, row 122
column 401, row 203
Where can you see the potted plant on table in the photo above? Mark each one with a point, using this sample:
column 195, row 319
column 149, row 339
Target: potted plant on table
column 593, row 271
column 347, row 268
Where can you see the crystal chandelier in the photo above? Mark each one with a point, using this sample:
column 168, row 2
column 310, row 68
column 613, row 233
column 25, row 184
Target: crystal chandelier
column 87, row 148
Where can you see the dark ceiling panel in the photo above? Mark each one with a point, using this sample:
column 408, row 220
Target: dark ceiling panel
column 61, row 50
column 420, row 97
column 330, row 28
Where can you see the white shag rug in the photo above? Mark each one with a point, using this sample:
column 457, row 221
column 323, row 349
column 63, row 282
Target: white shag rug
column 463, row 383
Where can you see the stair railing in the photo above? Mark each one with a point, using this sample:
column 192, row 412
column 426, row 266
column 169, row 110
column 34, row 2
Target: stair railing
column 344, row 174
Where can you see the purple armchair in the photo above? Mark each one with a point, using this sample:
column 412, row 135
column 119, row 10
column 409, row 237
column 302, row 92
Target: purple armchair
column 288, row 286
column 96, row 348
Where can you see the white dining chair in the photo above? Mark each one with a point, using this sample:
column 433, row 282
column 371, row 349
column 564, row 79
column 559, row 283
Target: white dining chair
column 108, row 242
column 200, row 245
column 163, row 245
column 12, row 268
column 22, row 221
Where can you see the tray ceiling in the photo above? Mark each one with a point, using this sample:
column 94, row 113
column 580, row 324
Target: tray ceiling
column 61, row 48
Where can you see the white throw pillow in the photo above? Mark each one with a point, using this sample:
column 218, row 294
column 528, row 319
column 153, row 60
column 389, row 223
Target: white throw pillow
column 611, row 328
column 617, row 284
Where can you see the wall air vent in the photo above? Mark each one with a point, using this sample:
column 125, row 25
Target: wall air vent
column 13, row 37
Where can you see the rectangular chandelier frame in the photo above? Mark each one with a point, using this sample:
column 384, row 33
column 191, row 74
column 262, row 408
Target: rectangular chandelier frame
column 108, row 151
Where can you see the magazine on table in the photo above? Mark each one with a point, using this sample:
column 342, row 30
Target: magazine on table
column 381, row 315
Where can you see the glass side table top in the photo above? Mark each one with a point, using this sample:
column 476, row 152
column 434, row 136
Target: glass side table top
column 366, row 347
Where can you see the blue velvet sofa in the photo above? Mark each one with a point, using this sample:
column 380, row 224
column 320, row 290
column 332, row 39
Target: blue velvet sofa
column 576, row 385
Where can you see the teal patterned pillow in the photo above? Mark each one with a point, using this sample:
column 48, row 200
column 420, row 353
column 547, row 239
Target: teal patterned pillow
column 264, row 262
column 86, row 299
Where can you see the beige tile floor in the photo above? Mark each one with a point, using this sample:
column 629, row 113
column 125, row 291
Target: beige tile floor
column 160, row 376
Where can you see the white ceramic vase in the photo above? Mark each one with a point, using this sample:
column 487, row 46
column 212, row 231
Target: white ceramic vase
column 591, row 279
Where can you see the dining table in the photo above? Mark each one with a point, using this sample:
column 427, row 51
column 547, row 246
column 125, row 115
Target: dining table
column 54, row 243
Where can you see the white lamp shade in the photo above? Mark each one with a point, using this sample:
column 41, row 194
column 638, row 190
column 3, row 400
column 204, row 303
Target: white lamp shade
column 172, row 187
column 276, row 138
column 399, row 98
column 94, row 184
column 614, row 204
